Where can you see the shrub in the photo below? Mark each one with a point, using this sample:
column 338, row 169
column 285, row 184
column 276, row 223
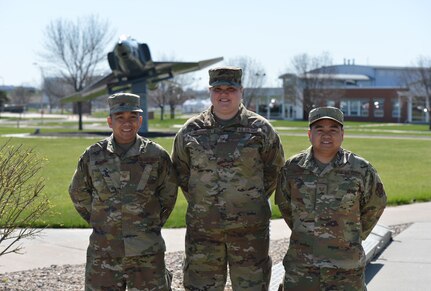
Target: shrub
column 21, row 199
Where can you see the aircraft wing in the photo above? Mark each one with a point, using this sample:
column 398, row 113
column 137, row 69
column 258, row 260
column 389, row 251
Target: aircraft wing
column 77, row 97
column 159, row 71
column 94, row 90
column 185, row 67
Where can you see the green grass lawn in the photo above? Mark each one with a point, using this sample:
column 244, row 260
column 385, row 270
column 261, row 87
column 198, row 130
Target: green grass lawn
column 403, row 164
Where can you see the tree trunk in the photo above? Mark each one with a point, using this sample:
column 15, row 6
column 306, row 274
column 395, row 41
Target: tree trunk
column 162, row 112
column 172, row 112
column 80, row 115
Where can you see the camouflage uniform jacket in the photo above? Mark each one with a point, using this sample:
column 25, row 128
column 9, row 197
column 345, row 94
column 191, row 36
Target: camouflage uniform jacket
column 126, row 200
column 331, row 210
column 227, row 170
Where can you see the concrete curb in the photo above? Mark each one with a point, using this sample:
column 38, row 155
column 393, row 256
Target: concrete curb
column 375, row 243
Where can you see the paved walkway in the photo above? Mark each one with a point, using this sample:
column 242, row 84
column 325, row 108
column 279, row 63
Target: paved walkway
column 68, row 246
column 404, row 265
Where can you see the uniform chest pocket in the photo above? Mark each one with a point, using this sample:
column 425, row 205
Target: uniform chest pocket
column 241, row 147
column 200, row 155
column 250, row 151
column 104, row 187
column 347, row 192
column 302, row 191
column 105, row 179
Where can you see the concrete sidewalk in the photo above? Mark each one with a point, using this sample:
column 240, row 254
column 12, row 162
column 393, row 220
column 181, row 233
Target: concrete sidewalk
column 405, row 264
column 68, row 246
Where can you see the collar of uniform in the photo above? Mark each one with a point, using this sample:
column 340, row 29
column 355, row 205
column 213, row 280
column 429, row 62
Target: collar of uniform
column 239, row 118
column 110, row 145
column 243, row 115
column 342, row 157
column 133, row 151
column 307, row 161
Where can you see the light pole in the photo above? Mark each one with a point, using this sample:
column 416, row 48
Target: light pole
column 42, row 89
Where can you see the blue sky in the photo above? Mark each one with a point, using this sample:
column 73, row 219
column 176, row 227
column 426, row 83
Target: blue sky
column 372, row 32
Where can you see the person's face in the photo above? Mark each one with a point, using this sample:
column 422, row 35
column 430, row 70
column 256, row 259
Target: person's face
column 326, row 137
column 225, row 100
column 125, row 126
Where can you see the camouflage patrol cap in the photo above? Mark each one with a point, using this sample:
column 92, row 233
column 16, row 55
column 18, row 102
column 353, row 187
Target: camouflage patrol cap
column 326, row 113
column 229, row 76
column 122, row 102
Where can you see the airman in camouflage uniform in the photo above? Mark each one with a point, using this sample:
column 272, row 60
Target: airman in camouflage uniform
column 125, row 187
column 331, row 199
column 227, row 159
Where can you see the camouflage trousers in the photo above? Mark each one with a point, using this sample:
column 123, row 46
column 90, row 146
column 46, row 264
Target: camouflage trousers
column 307, row 278
column 136, row 273
column 244, row 250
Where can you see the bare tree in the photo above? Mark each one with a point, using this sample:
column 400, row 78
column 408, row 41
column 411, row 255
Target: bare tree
column 21, row 95
column 419, row 83
column 178, row 92
column 177, row 96
column 158, row 96
column 74, row 50
column 172, row 92
column 22, row 202
column 55, row 89
column 314, row 77
column 254, row 76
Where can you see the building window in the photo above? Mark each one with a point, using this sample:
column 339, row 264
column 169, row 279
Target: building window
column 365, row 105
column 396, row 108
column 419, row 109
column 330, row 103
column 355, row 108
column 378, row 107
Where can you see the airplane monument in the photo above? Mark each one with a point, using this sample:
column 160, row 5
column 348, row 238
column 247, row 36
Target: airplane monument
column 133, row 70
